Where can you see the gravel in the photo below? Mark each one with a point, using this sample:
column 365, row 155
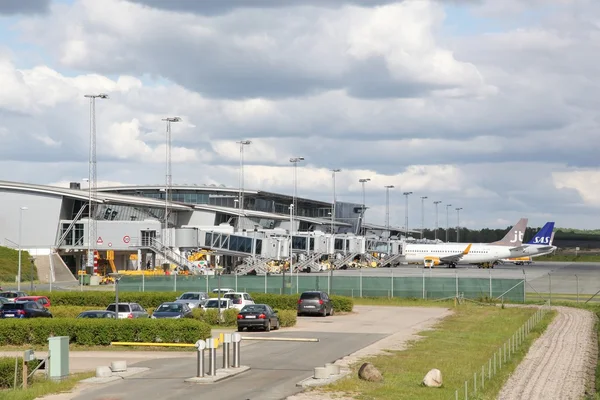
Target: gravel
column 561, row 363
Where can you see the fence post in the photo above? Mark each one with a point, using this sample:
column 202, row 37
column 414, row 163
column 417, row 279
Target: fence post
column 423, row 283
column 550, row 286
column 236, row 288
column 475, row 382
column 466, row 390
column 577, row 279
column 360, row 283
column 495, row 363
column 490, row 271
column 490, row 368
column 505, row 352
column 482, row 377
column 500, row 358
column 392, row 271
column 524, row 287
column 143, row 281
column 266, row 281
column 175, row 282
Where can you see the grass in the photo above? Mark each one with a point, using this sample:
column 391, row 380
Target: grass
column 400, row 302
column 458, row 347
column 9, row 265
column 41, row 387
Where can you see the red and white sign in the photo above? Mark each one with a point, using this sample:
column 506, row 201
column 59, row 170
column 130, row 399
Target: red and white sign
column 96, row 257
column 99, row 241
column 126, row 239
column 109, row 244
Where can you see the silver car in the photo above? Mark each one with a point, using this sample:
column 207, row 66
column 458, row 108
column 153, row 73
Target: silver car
column 129, row 310
column 193, row 299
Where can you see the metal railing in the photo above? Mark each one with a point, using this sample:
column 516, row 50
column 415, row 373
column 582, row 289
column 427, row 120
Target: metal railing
column 502, row 356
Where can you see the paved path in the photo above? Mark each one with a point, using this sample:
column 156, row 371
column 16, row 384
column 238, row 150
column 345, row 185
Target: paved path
column 276, row 366
column 561, row 363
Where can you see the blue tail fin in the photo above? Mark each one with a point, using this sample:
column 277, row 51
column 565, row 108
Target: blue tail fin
column 544, row 236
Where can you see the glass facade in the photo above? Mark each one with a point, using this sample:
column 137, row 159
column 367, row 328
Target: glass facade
column 241, row 244
column 75, row 235
column 299, row 242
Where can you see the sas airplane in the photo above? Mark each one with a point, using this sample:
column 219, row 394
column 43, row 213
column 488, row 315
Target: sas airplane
column 539, row 245
column 452, row 254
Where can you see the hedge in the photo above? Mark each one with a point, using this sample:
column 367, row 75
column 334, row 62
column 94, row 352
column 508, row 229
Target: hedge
column 151, row 300
column 287, row 318
column 7, row 371
column 90, row 332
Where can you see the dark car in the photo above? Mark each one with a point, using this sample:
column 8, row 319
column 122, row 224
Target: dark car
column 315, row 303
column 24, row 309
column 5, row 300
column 257, row 316
column 172, row 310
column 97, row 314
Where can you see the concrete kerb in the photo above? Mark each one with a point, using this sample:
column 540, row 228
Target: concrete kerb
column 116, row 375
column 220, row 375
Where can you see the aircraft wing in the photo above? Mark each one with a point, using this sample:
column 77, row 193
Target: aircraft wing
column 455, row 257
column 519, row 248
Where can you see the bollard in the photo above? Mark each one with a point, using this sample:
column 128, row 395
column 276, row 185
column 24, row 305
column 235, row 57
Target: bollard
column 200, row 345
column 212, row 356
column 236, row 338
column 226, row 344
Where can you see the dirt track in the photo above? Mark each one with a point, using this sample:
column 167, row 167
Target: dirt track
column 561, row 363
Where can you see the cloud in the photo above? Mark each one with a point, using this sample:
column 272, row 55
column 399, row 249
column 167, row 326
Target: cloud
column 501, row 123
column 11, row 7
column 386, row 51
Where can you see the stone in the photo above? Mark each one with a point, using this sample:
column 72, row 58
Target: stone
column 118, row 366
column 433, row 378
column 368, row 372
column 103, row 372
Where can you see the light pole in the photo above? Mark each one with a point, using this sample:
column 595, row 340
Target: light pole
column 295, row 161
column 387, row 208
column 242, row 143
column 447, row 221
column 168, row 176
column 406, row 194
column 90, row 233
column 291, row 248
column 92, row 178
column 117, row 277
column 20, row 224
column 437, row 225
column 458, row 223
column 423, row 214
column 333, row 172
column 362, row 211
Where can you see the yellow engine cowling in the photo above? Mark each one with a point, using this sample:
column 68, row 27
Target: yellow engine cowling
column 429, row 261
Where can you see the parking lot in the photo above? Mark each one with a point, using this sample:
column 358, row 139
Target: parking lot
column 276, row 367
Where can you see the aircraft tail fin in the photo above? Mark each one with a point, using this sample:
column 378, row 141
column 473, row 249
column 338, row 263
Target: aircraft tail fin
column 514, row 237
column 552, row 238
column 545, row 235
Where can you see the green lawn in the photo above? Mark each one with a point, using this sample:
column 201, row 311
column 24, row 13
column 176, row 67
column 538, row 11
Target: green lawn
column 459, row 346
column 41, row 387
column 9, row 265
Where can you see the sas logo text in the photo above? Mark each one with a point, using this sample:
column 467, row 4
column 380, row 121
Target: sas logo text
column 541, row 240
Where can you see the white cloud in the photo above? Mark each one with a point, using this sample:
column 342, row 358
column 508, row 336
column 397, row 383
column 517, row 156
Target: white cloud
column 585, row 182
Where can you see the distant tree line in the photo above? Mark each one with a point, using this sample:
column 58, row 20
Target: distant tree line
column 562, row 238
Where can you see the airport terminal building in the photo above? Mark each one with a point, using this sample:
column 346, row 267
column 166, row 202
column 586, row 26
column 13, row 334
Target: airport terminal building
column 130, row 225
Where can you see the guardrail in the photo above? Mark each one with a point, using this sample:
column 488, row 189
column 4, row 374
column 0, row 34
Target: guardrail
column 502, row 356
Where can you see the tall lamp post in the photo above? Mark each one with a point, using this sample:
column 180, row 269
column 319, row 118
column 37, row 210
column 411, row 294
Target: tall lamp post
column 168, row 176
column 423, row 214
column 291, row 248
column 295, row 161
column 20, row 229
column 362, row 211
column 406, row 194
column 387, row 208
column 90, row 234
column 333, row 172
column 242, row 143
column 93, row 180
column 447, row 221
column 458, row 223
column 437, row 224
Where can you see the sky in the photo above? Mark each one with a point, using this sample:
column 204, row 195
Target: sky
column 485, row 105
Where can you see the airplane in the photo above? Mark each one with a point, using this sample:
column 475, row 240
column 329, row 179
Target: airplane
column 540, row 244
column 452, row 254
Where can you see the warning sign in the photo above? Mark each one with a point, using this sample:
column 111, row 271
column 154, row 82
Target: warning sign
column 126, row 239
column 99, row 241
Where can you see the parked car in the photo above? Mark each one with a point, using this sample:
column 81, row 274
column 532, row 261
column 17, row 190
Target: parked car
column 129, row 310
column 43, row 300
column 172, row 310
column 315, row 302
column 24, row 309
column 12, row 294
column 5, row 300
column 214, row 304
column 239, row 299
column 193, row 299
column 97, row 314
column 223, row 291
column 257, row 316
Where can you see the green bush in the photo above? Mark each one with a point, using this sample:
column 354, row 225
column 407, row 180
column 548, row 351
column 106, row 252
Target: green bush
column 230, row 317
column 7, row 371
column 148, row 300
column 198, row 313
column 287, row 318
column 69, row 311
column 342, row 303
column 277, row 301
column 90, row 332
column 211, row 316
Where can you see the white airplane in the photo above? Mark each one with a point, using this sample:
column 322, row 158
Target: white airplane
column 539, row 245
column 452, row 254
